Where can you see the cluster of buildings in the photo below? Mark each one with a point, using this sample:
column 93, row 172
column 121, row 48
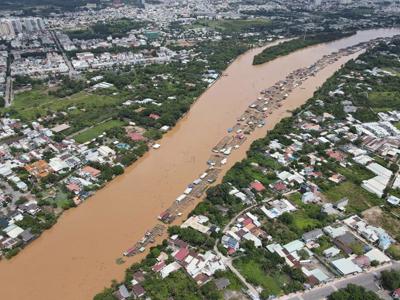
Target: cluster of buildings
column 11, row 27
column 132, row 39
column 199, row 265
column 51, row 63
column 246, row 228
column 88, row 60
column 30, row 161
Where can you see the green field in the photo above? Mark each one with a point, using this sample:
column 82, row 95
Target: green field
column 355, row 173
column 359, row 199
column 82, row 109
column 392, row 70
column 295, row 198
column 384, row 101
column 252, row 271
column 30, row 104
column 97, row 130
column 36, row 103
column 234, row 283
column 302, row 221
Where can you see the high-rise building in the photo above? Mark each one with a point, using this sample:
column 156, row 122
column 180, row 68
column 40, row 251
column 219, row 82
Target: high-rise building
column 6, row 29
column 17, row 25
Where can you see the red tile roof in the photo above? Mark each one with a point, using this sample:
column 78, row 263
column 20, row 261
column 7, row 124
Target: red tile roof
column 258, row 186
column 135, row 136
column 73, row 187
column 280, row 186
column 138, row 290
column 181, row 254
column 231, row 250
column 396, row 292
column 158, row 266
column 154, row 116
column 247, row 221
column 92, row 171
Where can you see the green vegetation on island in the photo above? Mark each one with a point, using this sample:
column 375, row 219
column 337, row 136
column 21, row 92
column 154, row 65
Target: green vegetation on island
column 287, row 47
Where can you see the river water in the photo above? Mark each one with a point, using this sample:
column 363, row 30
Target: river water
column 76, row 258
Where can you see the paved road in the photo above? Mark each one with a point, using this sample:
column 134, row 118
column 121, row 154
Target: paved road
column 9, row 92
column 71, row 68
column 366, row 279
column 228, row 261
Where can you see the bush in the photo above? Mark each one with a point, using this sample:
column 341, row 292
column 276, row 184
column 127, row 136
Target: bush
column 394, row 252
column 390, row 279
column 67, row 204
column 11, row 253
column 118, row 170
column 374, row 263
column 21, row 200
column 353, row 292
column 107, row 294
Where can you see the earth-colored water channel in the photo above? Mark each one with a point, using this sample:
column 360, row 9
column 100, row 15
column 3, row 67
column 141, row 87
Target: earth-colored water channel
column 76, row 258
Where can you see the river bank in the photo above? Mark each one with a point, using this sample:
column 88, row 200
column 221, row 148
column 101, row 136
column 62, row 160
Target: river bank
column 76, row 258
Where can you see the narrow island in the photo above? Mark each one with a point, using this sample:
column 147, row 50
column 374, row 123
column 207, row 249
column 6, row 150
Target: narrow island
column 298, row 43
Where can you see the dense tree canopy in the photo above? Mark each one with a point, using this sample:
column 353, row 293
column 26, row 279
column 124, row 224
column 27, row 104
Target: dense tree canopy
column 353, row 292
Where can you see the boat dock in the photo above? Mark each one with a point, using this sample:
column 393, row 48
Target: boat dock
column 147, row 239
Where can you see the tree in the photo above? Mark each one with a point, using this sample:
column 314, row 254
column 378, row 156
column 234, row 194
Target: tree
column 118, row 170
column 21, row 200
column 303, row 254
column 390, row 279
column 353, row 292
column 286, row 218
column 374, row 263
column 106, row 294
column 356, row 248
column 209, row 291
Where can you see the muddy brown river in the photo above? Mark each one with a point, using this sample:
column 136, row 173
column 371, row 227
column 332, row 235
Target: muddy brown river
column 76, row 258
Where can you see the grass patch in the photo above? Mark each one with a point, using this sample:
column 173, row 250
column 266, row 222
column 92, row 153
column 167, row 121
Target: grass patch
column 295, row 198
column 391, row 223
column 359, row 199
column 91, row 108
column 252, row 271
column 394, row 251
column 95, row 131
column 380, row 160
column 234, row 283
column 355, row 173
column 303, row 222
column 391, row 70
column 324, row 243
column 177, row 285
column 384, row 101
